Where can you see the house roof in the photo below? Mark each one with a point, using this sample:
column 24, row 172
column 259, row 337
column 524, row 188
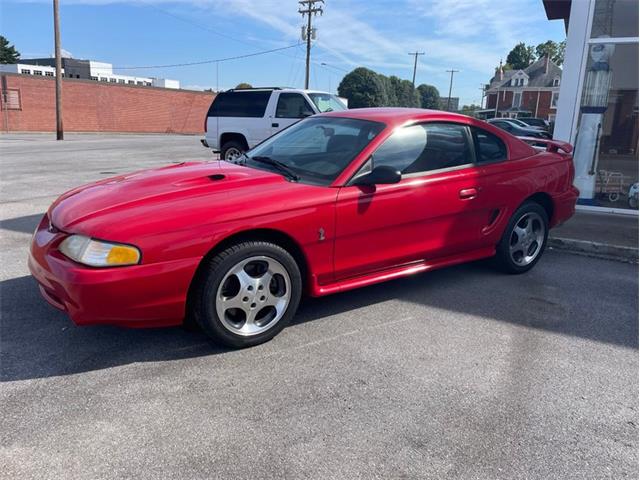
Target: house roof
column 535, row 71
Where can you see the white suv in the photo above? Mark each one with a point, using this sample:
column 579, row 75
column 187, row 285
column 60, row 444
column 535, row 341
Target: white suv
column 240, row 119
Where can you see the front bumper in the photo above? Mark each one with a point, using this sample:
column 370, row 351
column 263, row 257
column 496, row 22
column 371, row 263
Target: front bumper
column 145, row 295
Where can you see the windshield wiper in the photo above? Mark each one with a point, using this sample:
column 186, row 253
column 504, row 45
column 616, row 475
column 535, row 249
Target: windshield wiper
column 276, row 163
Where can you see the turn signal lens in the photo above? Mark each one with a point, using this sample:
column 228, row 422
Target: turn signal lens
column 97, row 253
column 123, row 255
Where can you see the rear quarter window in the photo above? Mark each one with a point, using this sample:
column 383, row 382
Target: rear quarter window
column 489, row 148
column 240, row 104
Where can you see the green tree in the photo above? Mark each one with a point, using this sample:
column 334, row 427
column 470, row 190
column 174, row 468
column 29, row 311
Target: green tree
column 521, row 56
column 363, row 88
column 406, row 95
column 242, row 85
column 389, row 96
column 429, row 96
column 553, row 49
column 505, row 67
column 469, row 109
column 8, row 53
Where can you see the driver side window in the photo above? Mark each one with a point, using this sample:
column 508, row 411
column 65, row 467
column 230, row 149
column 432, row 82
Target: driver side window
column 425, row 147
column 292, row 105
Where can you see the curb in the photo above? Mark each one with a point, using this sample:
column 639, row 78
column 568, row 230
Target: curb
column 595, row 249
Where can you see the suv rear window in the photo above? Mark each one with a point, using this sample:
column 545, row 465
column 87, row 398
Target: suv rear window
column 240, row 104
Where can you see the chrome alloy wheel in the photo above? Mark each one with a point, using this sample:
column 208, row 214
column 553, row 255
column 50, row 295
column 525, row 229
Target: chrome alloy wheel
column 232, row 154
column 527, row 238
column 253, row 295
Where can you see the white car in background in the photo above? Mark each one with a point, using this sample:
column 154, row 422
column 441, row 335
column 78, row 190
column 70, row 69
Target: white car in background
column 239, row 119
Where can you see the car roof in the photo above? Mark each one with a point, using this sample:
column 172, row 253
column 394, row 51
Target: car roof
column 396, row 115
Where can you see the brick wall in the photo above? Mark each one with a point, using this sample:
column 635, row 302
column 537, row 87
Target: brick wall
column 529, row 100
column 90, row 106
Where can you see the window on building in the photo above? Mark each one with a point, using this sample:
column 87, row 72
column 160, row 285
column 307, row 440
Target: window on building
column 517, row 99
column 556, row 82
column 37, row 72
column 148, row 84
column 10, row 99
column 554, row 99
column 615, row 18
column 426, row 147
column 489, row 148
column 131, row 82
column 139, row 82
column 293, row 105
column 25, row 71
column 93, row 78
column 112, row 80
column 120, row 80
column 48, row 74
column 104, row 79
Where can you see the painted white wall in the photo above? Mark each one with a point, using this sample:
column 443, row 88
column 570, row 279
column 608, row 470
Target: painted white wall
column 166, row 83
column 18, row 67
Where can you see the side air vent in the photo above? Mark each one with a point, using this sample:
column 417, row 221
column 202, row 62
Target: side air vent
column 216, row 177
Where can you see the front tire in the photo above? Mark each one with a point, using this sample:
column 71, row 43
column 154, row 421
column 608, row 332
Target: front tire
column 247, row 294
column 524, row 240
column 232, row 150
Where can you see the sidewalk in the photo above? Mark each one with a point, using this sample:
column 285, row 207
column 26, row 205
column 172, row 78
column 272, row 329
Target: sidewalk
column 598, row 234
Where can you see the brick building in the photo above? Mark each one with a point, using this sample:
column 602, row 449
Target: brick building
column 530, row 92
column 28, row 105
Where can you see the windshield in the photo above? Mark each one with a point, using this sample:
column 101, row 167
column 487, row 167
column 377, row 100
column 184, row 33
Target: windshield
column 519, row 123
column 325, row 102
column 316, row 149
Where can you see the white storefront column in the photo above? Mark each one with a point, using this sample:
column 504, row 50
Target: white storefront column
column 572, row 72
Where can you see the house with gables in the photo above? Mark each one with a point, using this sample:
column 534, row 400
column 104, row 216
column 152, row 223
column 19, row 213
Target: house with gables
column 530, row 92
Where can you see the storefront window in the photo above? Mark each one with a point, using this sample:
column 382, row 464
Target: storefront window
column 607, row 140
column 615, row 18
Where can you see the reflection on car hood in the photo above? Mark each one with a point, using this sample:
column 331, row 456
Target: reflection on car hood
column 173, row 190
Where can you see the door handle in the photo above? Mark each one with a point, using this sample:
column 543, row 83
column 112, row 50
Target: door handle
column 275, row 124
column 468, row 193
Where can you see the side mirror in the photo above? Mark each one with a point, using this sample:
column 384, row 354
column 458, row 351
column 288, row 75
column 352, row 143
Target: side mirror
column 379, row 175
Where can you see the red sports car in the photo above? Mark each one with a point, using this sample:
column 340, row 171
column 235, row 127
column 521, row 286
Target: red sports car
column 337, row 201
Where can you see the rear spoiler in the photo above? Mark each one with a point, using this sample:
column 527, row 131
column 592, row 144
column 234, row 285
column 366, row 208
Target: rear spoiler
column 551, row 145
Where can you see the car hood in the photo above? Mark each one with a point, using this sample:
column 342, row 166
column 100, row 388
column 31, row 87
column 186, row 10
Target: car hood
column 177, row 190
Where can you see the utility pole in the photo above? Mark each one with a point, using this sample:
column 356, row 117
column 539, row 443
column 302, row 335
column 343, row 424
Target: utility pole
column 309, row 8
column 482, row 89
column 56, row 34
column 415, row 65
column 450, row 85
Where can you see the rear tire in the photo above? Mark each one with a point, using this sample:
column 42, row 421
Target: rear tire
column 247, row 294
column 524, row 240
column 231, row 150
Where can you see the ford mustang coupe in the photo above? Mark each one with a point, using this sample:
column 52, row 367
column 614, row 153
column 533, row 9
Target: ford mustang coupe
column 337, row 201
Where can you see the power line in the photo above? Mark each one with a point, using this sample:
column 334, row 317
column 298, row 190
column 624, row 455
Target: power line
column 203, row 62
column 415, row 65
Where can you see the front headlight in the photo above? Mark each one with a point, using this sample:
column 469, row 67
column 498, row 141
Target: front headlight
column 97, row 253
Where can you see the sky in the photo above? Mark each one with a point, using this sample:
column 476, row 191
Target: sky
column 466, row 35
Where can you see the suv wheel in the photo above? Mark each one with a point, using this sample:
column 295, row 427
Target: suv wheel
column 231, row 150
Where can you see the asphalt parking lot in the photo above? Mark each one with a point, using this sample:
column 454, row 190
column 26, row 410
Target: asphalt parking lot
column 460, row 373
